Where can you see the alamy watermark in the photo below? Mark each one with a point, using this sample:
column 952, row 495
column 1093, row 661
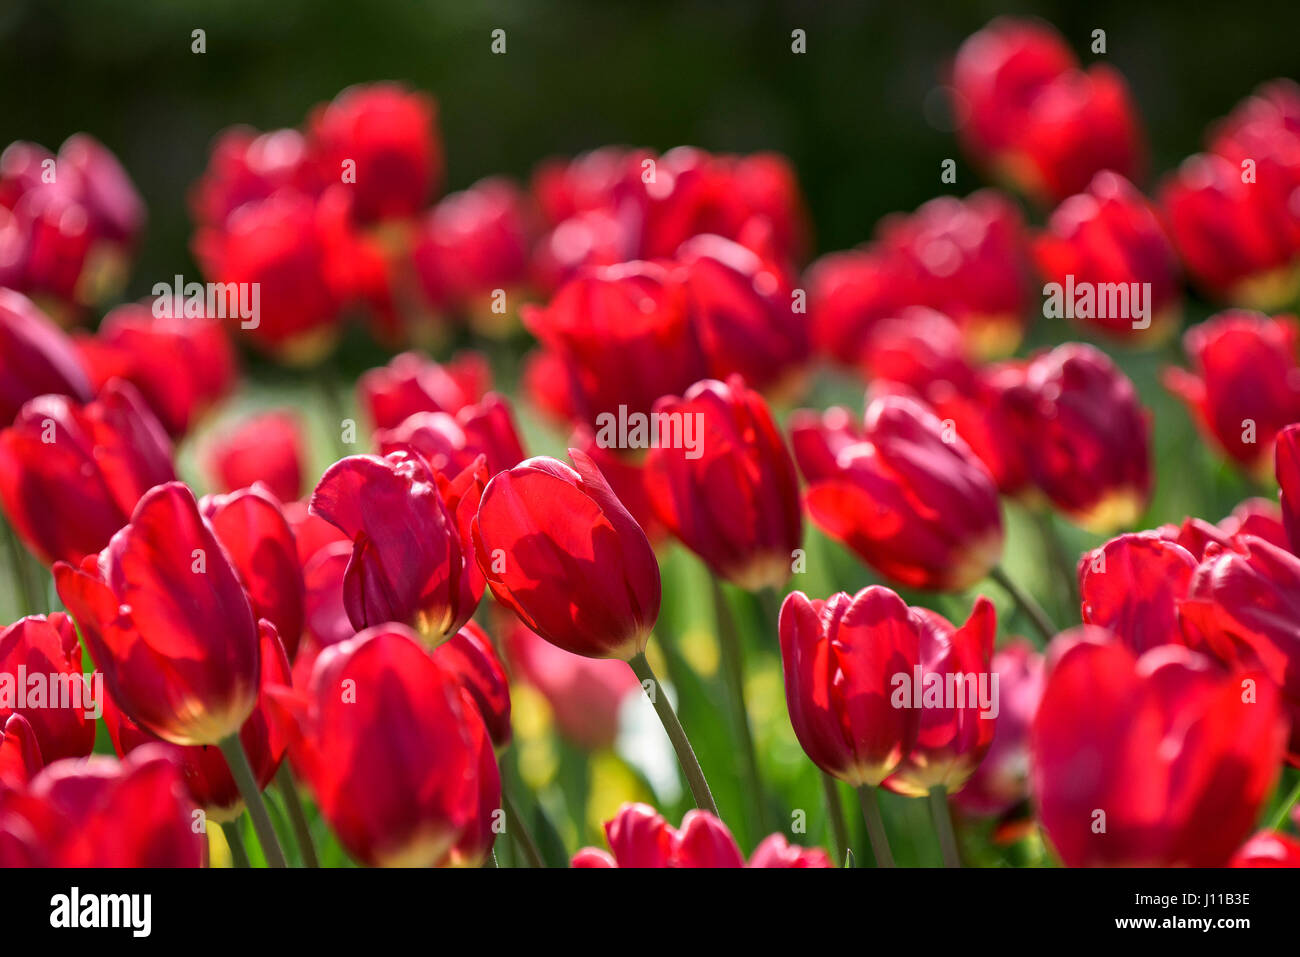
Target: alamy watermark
column 1098, row 300
column 63, row 691
column 656, row 430
column 210, row 300
column 952, row 691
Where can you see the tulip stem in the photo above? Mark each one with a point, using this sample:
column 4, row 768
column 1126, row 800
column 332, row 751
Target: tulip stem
column 835, row 810
column 1027, row 603
column 18, row 566
column 242, row 772
column 1280, row 817
column 733, row 663
column 519, row 831
column 328, row 380
column 943, row 826
column 1059, row 558
column 875, row 826
column 293, row 804
column 235, row 841
column 654, row 690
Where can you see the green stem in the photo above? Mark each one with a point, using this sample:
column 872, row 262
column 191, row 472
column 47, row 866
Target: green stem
column 835, row 810
column 875, row 826
column 1280, row 817
column 519, row 831
column 654, row 690
column 733, row 664
column 293, row 803
column 242, row 772
column 328, row 380
column 1027, row 604
column 943, row 826
column 1066, row 573
column 235, row 841
column 18, row 566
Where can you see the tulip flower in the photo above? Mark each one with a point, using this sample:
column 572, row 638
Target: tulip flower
column 1245, row 383
column 411, row 559
column 246, row 166
column 35, row 358
column 394, row 751
column 470, row 657
column 849, row 294
column 734, row 501
column 413, row 383
column 451, row 443
column 910, row 499
column 266, row 448
column 1107, row 234
column 70, row 475
column 325, row 612
column 1132, row 586
column 1268, row 849
column 20, row 758
column 46, row 650
column 1157, row 760
column 134, row 345
column 1086, row 436
column 99, row 812
column 1243, row 607
column 382, row 141
column 1287, row 467
column 774, row 851
column 1259, row 517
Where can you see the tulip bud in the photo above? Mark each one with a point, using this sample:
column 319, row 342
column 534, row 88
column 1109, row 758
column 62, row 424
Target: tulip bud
column 35, row 358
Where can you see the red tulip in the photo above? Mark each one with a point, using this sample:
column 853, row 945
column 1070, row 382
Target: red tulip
column 450, row 443
column 605, row 177
column 734, row 498
column 1086, row 436
column 98, row 812
column 166, row 620
column 775, row 851
column 394, row 751
column 246, row 166
column 626, row 334
column 1153, row 761
column 1287, row 467
column 561, row 551
column 625, row 472
column 325, row 611
column 1245, row 383
column 35, row 358
column 470, row 657
column 266, row 448
column 413, row 383
column 909, row 498
column 1108, row 234
column 1268, row 849
column 63, row 717
column 205, row 772
column 311, row 533
column 745, row 311
column 133, row 344
column 840, row 658
column 411, row 559
column 849, row 294
column 261, row 549
column 71, row 475
column 382, row 141
column 1259, row 517
column 1132, row 585
column 1243, row 607
column 20, row 759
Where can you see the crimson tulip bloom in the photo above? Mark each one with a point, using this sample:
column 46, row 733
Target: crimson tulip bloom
column 412, row 383
column 261, row 549
column 469, row 656
column 1245, row 383
column 98, row 812
column 1132, row 585
column 840, row 658
column 1243, row 607
column 35, row 358
column 560, row 550
column 394, row 751
column 411, row 558
column 165, row 617
column 734, row 501
column 387, row 136
column 451, row 443
column 265, row 448
column 135, row 345
column 1268, row 849
column 205, row 772
column 63, row 720
column 1287, row 468
column 1110, row 233
column 1086, row 436
column 246, row 166
column 849, row 294
column 910, row 500
column 1158, row 760
column 70, row 475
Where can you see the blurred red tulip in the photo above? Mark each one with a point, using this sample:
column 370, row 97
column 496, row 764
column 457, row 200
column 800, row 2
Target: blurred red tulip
column 561, row 551
column 411, row 557
column 1287, row 468
column 1245, row 383
column 165, row 618
column 1259, row 517
column 471, row 658
column 841, row 657
column 1268, row 849
column 1109, row 234
column 1132, row 585
column 412, row 383
column 451, row 443
column 70, row 475
column 775, row 851
column 20, row 759
column 46, row 650
column 904, row 492
column 382, row 142
column 849, row 294
column 1153, row 761
column 35, row 358
column 1086, row 436
column 733, row 499
column 267, row 447
column 246, row 166
column 396, row 755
